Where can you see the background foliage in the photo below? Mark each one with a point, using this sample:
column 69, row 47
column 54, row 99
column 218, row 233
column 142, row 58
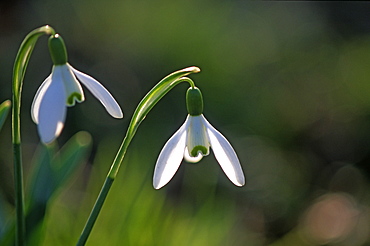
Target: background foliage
column 288, row 83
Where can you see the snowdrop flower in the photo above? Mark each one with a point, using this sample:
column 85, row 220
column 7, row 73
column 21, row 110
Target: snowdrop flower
column 62, row 89
column 192, row 141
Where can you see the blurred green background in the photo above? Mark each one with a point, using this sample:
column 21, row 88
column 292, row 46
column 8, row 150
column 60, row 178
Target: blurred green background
column 288, row 83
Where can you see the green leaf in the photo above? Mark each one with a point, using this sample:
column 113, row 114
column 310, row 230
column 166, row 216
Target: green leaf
column 73, row 153
column 42, row 180
column 4, row 214
column 42, row 188
column 4, row 111
column 7, row 238
column 52, row 170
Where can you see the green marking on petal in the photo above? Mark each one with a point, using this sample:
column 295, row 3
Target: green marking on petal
column 194, row 152
column 71, row 100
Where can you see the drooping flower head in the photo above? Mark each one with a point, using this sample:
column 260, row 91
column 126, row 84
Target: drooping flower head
column 61, row 89
column 192, row 141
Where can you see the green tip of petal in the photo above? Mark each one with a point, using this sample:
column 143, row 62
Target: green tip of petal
column 194, row 152
column 194, row 101
column 71, row 100
column 58, row 51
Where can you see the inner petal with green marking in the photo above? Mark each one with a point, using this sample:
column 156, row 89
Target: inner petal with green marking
column 197, row 138
column 73, row 88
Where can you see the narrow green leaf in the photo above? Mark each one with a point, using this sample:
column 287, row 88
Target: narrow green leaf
column 42, row 180
column 41, row 189
column 52, row 170
column 71, row 156
column 7, row 237
column 4, row 110
column 4, row 214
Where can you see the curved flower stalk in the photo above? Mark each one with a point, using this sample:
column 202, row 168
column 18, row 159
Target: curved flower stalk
column 62, row 89
column 59, row 90
column 192, row 141
column 141, row 111
column 19, row 70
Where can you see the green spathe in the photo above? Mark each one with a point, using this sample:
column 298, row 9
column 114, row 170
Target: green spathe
column 194, row 101
column 58, row 51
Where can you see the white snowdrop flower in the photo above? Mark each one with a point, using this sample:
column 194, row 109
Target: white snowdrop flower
column 192, row 141
column 62, row 89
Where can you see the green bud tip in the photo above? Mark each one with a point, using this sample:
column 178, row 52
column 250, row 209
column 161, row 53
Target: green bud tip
column 194, row 101
column 58, row 51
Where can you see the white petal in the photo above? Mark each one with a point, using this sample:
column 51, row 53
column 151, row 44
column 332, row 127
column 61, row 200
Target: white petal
column 52, row 110
column 225, row 155
column 99, row 91
column 37, row 99
column 170, row 157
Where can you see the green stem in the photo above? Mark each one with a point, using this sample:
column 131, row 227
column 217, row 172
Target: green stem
column 19, row 196
column 95, row 211
column 20, row 65
column 144, row 107
column 139, row 115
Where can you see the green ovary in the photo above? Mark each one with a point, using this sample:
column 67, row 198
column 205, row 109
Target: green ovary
column 58, row 51
column 194, row 101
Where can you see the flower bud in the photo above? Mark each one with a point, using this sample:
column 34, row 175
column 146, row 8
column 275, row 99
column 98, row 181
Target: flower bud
column 194, row 101
column 57, row 50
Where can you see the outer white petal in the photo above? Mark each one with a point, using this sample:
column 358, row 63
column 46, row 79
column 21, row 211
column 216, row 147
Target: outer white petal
column 225, row 155
column 37, row 99
column 52, row 109
column 99, row 91
column 170, row 157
